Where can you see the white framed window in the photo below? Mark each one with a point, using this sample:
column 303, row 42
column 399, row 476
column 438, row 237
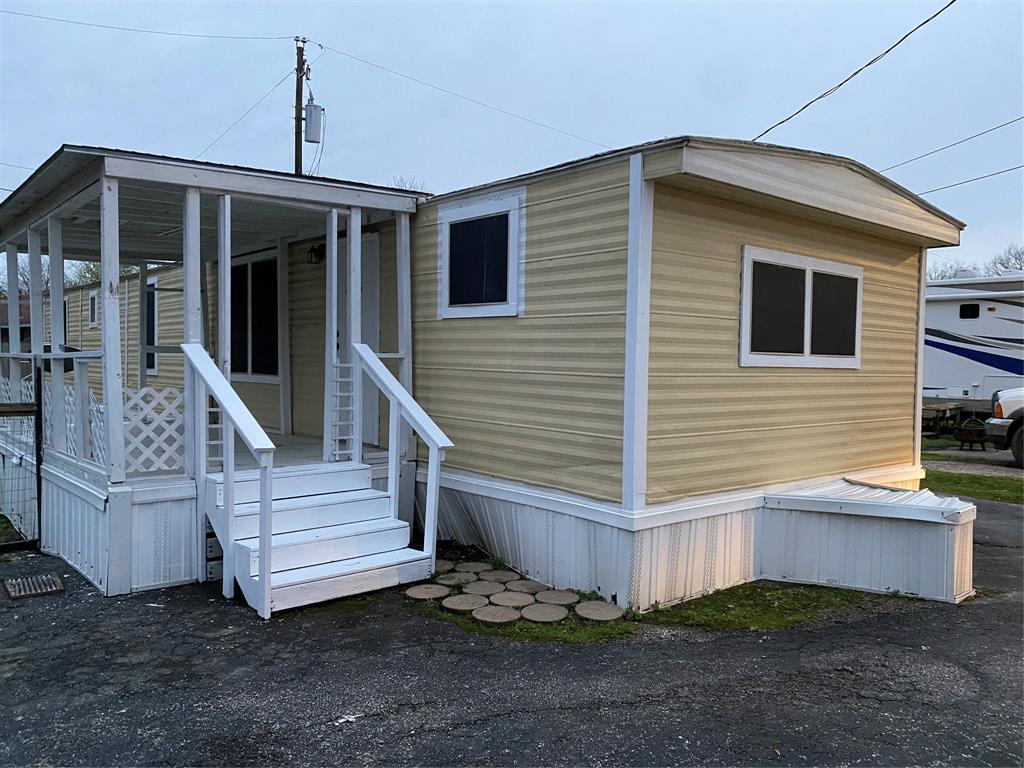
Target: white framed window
column 152, row 326
column 481, row 247
column 93, row 309
column 254, row 289
column 799, row 312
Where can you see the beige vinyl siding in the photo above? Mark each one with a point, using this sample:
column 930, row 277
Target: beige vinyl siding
column 714, row 426
column 538, row 398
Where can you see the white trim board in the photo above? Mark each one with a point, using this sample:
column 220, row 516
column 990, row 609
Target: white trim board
column 653, row 517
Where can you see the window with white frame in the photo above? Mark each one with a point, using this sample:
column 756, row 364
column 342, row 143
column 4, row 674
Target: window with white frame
column 152, row 325
column 254, row 317
column 799, row 311
column 481, row 246
column 93, row 309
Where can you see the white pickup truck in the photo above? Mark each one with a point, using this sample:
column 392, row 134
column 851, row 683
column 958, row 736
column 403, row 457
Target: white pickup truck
column 1006, row 427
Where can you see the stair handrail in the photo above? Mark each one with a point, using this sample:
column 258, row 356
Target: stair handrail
column 235, row 416
column 404, row 407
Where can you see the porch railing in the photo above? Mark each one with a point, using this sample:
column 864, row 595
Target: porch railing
column 209, row 381
column 402, row 407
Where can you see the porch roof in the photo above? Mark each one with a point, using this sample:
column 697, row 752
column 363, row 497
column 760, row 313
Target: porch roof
column 268, row 204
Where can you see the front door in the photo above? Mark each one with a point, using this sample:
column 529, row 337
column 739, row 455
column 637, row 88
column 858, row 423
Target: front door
column 370, row 324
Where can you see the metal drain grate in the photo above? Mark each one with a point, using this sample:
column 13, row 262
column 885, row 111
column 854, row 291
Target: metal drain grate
column 33, row 586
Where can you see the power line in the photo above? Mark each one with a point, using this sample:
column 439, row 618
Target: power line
column 457, row 95
column 142, row 31
column 955, row 143
column 15, row 165
column 246, row 113
column 976, row 178
column 850, row 77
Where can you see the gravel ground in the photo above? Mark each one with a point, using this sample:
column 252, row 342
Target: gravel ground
column 183, row 677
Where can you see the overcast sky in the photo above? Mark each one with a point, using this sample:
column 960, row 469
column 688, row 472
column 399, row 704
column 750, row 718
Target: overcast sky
column 616, row 73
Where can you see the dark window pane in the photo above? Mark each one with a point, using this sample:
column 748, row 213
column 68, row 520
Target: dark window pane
column 834, row 315
column 264, row 317
column 970, row 311
column 150, row 328
column 240, row 319
column 777, row 309
column 478, row 261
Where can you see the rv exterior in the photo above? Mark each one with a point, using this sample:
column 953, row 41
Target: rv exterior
column 974, row 339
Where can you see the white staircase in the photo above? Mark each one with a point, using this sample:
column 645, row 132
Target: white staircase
column 332, row 535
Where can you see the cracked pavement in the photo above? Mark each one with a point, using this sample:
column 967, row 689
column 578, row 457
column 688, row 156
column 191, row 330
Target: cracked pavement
column 183, row 677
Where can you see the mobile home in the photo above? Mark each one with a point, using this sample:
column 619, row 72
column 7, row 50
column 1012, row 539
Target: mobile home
column 650, row 373
column 974, row 345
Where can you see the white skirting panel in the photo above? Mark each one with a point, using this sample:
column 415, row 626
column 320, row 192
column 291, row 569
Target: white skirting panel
column 552, row 547
column 75, row 527
column 164, row 529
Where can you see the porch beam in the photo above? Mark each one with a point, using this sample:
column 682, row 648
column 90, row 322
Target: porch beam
column 330, row 333
column 13, row 321
column 58, row 333
column 274, row 187
column 72, row 194
column 354, row 240
column 113, row 386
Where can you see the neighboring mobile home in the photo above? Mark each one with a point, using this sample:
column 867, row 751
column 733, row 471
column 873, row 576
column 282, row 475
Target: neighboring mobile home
column 650, row 373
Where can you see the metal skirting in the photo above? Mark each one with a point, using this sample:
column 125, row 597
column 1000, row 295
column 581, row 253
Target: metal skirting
column 33, row 586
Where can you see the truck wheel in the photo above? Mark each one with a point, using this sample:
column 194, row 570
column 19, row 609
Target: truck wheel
column 1017, row 447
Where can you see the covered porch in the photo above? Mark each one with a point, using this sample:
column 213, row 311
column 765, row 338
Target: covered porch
column 278, row 289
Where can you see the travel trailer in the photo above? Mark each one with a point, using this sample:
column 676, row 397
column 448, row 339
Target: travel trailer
column 650, row 373
column 974, row 339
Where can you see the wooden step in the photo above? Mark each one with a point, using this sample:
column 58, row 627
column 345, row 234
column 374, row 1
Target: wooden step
column 292, row 482
column 303, row 514
column 316, row 583
column 328, row 544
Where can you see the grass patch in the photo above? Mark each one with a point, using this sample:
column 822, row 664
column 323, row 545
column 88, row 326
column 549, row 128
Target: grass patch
column 761, row 605
column 570, row 630
column 979, row 458
column 1009, row 489
column 940, row 441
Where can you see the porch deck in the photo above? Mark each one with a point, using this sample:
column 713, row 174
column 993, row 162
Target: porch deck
column 295, row 450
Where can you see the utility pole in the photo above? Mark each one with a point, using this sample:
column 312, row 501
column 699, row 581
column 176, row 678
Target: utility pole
column 300, row 74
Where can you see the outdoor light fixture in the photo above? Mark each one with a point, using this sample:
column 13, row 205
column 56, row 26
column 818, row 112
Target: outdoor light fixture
column 315, row 254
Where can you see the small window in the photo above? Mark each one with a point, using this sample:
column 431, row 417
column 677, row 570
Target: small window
column 254, row 318
column 970, row 311
column 798, row 311
column 152, row 325
column 481, row 257
column 93, row 314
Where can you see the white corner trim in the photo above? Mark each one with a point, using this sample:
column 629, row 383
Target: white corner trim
column 510, row 201
column 638, row 335
column 810, row 265
column 922, row 291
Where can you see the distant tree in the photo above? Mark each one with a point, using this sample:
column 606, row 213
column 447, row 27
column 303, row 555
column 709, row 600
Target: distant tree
column 88, row 272
column 411, row 183
column 1011, row 257
column 946, row 270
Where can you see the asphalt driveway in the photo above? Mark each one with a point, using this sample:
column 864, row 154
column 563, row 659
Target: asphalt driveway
column 182, row 677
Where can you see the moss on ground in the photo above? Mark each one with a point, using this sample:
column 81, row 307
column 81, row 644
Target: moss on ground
column 762, row 605
column 7, row 530
column 570, row 630
column 1008, row 489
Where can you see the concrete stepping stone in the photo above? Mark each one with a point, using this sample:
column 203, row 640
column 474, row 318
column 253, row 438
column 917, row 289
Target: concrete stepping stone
column 528, row 586
column 499, row 576
column 443, row 566
column 455, row 579
column 598, row 610
column 481, row 587
column 512, row 599
column 558, row 597
column 427, row 592
column 464, row 603
column 472, row 567
column 496, row 614
column 545, row 613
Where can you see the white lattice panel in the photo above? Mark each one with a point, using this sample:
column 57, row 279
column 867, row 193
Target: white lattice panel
column 154, row 434
column 97, row 431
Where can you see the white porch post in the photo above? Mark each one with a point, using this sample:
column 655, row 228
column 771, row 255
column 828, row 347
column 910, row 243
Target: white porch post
column 195, row 394
column 284, row 367
column 113, row 387
column 13, row 322
column 227, row 429
column 404, row 301
column 58, row 403
column 354, row 238
column 35, row 292
column 331, row 335
column 143, row 291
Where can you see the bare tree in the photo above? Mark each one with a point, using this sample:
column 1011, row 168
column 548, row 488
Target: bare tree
column 88, row 272
column 946, row 270
column 411, row 183
column 1012, row 257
